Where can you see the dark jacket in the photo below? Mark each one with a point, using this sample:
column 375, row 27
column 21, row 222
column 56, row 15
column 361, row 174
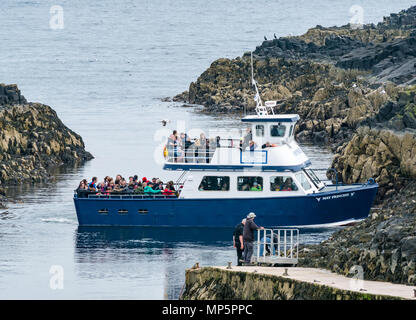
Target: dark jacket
column 238, row 231
column 248, row 233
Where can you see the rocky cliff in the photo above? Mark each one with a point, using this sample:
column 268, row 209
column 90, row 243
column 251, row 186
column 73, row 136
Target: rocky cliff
column 383, row 245
column 33, row 140
column 334, row 78
column 385, row 155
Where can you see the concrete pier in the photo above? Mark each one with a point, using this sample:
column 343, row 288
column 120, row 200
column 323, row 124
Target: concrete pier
column 267, row 283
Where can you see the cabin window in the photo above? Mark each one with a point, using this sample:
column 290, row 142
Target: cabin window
column 303, row 181
column 283, row 183
column 250, row 183
column 277, row 130
column 291, row 130
column 260, row 130
column 214, row 183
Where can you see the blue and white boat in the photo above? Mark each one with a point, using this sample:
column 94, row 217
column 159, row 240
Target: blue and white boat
column 220, row 187
column 275, row 182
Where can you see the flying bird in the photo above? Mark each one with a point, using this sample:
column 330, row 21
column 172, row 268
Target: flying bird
column 164, row 122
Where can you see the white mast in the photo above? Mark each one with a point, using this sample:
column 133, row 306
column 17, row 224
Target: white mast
column 260, row 109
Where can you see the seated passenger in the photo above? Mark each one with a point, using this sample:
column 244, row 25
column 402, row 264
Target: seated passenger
column 149, row 190
column 288, row 185
column 170, row 186
column 255, row 187
column 92, row 186
column 122, row 187
column 167, row 192
column 275, row 187
column 82, row 185
column 268, row 145
column 82, row 189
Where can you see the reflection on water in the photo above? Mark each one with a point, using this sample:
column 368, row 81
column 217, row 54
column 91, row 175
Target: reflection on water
column 126, row 237
column 171, row 249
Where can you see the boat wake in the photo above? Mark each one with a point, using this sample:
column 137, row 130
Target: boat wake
column 345, row 223
column 59, row 220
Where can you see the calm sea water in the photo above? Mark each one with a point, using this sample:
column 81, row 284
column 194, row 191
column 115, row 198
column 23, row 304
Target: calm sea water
column 104, row 73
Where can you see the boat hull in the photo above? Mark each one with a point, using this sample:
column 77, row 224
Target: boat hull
column 320, row 208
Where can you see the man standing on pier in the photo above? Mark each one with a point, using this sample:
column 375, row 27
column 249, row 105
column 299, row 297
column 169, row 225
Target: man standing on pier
column 248, row 236
column 238, row 241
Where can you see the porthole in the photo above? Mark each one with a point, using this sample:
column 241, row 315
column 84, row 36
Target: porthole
column 123, row 211
column 103, row 211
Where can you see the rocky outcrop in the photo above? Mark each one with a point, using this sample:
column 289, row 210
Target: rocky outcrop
column 388, row 156
column 10, row 94
column 335, row 78
column 33, row 140
column 331, row 102
column 383, row 245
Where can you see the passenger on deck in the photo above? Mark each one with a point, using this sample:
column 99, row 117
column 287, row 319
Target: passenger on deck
column 122, row 187
column 149, row 190
column 82, row 189
column 252, row 145
column 172, row 145
column 170, row 186
column 186, row 144
column 169, row 189
column 201, row 154
column 247, row 138
column 118, row 179
column 82, row 186
column 92, row 186
column 131, row 184
column 268, row 145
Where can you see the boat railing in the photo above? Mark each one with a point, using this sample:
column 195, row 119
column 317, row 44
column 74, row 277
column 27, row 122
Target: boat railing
column 316, row 181
column 94, row 195
column 278, row 246
column 197, row 154
column 130, row 196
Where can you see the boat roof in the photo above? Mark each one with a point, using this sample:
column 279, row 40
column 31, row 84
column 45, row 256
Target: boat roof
column 271, row 118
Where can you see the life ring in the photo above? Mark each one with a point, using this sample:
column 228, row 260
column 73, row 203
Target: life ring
column 165, row 151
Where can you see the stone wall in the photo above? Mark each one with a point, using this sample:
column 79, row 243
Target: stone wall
column 215, row 284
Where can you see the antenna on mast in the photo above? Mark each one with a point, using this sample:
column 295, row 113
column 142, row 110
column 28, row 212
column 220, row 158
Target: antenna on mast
column 260, row 109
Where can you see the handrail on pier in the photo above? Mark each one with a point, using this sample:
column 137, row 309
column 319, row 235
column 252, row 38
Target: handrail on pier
column 278, row 246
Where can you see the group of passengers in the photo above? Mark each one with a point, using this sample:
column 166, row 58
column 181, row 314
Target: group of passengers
column 121, row 186
column 184, row 149
column 181, row 148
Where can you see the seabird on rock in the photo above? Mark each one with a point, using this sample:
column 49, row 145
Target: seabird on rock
column 275, row 35
column 265, row 38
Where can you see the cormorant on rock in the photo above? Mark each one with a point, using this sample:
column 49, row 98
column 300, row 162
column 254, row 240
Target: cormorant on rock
column 275, row 35
column 265, row 38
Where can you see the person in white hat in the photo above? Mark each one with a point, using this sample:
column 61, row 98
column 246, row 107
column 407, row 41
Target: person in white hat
column 248, row 236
